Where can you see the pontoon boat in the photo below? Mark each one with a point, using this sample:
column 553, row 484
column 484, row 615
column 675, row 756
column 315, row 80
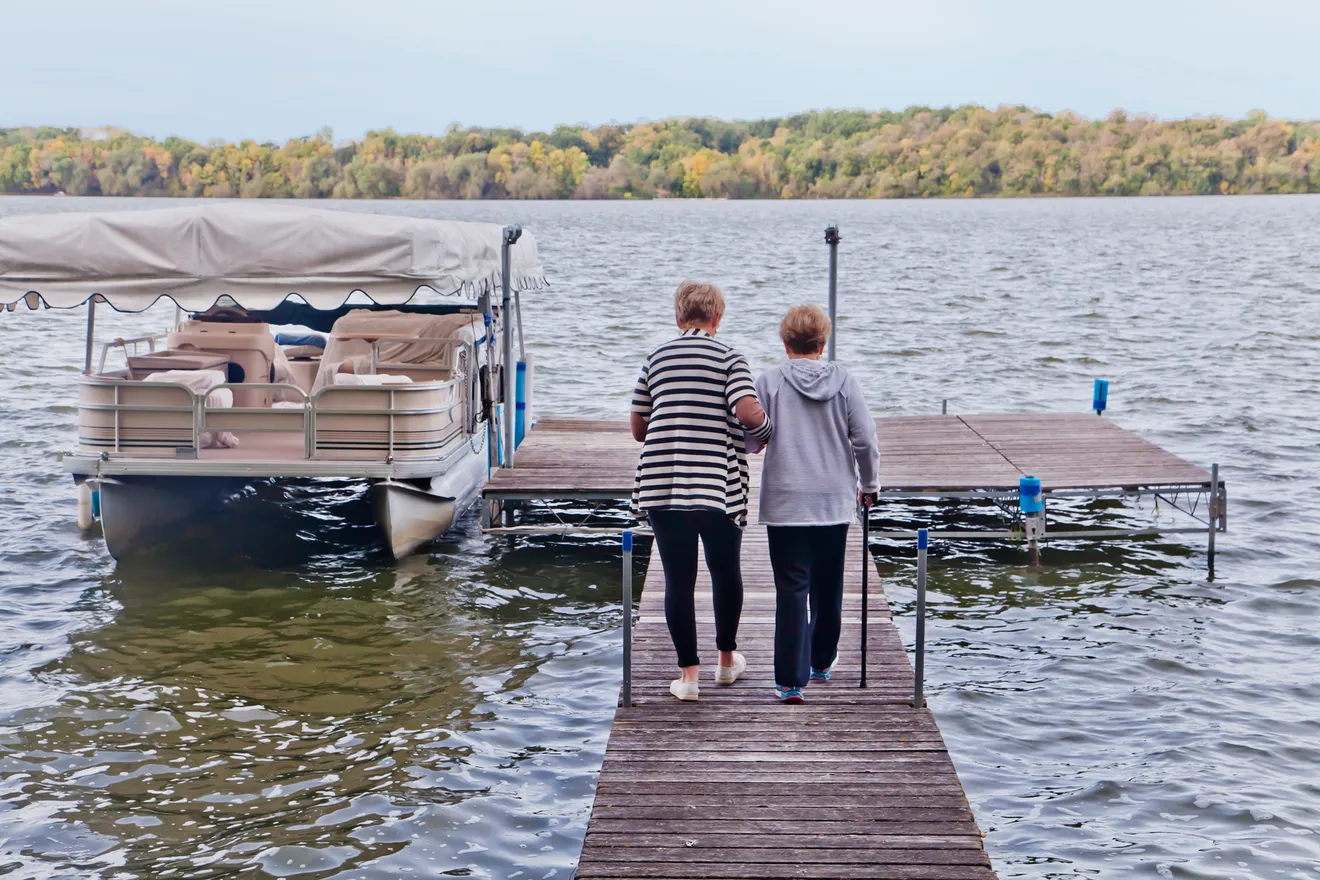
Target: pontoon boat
column 306, row 343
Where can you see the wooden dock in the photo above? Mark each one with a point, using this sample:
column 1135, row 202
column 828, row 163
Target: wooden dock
column 855, row 783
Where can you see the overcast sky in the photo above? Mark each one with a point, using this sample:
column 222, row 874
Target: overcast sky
column 273, row 69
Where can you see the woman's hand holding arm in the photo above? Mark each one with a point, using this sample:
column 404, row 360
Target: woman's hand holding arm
column 750, row 414
column 637, row 422
column 756, row 420
column 744, row 400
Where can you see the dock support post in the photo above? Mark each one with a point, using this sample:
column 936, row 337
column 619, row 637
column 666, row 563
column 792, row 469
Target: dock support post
column 832, row 239
column 627, row 616
column 1031, row 503
column 1214, row 519
column 511, row 236
column 919, row 671
column 944, row 407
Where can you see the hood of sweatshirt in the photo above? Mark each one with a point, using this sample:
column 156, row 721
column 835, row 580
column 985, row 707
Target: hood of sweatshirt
column 818, row 380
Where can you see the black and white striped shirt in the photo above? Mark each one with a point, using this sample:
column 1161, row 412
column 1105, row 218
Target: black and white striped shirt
column 693, row 456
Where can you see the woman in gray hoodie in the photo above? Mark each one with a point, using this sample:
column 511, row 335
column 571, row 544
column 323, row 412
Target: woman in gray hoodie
column 821, row 463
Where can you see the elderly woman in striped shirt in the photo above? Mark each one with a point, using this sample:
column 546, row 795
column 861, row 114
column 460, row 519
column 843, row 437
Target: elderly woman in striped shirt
column 693, row 402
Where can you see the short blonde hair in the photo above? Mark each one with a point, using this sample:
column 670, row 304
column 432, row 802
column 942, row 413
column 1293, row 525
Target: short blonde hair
column 696, row 302
column 805, row 329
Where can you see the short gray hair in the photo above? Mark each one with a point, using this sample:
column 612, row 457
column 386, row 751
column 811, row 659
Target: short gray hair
column 698, row 302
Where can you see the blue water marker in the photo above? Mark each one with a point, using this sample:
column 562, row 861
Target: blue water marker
column 1029, row 499
column 1101, row 398
column 627, row 539
column 923, row 539
column 520, row 417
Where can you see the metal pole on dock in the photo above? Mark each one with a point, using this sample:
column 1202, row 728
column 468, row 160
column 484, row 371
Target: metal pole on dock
column 1213, row 517
column 866, row 575
column 832, row 239
column 91, row 335
column 627, row 616
column 919, row 673
column 511, row 236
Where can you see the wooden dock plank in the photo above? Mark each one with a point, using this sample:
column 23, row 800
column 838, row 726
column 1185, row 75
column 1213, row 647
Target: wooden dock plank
column 854, row 783
column 1073, row 451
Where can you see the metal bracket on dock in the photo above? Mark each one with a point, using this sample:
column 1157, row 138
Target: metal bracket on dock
column 563, row 522
column 564, row 531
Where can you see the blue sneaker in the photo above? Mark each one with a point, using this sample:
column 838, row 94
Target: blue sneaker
column 824, row 674
column 789, row 695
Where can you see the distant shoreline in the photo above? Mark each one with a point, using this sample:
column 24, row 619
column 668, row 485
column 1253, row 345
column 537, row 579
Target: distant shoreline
column 920, row 152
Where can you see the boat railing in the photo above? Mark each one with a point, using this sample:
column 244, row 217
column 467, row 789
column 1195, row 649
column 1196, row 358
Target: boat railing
column 114, row 412
column 416, row 421
column 458, row 367
column 125, row 344
column 258, row 419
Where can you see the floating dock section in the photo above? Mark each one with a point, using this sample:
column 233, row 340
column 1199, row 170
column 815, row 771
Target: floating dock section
column 969, row 457
column 855, row 783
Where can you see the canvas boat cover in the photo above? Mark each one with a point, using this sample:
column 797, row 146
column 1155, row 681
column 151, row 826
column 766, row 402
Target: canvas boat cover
column 257, row 254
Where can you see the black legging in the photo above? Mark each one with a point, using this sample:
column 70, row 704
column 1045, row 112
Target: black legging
column 676, row 533
column 808, row 566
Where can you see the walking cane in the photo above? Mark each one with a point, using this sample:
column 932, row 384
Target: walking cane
column 866, row 550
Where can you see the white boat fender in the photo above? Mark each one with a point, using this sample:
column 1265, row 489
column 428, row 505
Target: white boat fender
column 86, row 518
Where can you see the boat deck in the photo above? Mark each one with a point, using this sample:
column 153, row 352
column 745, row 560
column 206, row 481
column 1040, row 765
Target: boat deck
column 853, row 783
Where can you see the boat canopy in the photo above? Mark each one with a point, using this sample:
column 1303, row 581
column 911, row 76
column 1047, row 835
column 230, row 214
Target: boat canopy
column 256, row 254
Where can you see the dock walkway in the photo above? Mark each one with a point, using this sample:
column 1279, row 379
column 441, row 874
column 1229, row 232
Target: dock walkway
column 853, row 783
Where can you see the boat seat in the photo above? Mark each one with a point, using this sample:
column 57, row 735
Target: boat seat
column 251, row 346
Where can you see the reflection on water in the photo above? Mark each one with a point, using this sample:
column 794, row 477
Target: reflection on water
column 364, row 721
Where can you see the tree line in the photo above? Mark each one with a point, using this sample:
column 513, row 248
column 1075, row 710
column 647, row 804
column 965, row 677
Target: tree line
column 967, row 151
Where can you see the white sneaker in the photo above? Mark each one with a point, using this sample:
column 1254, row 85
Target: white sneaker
column 729, row 674
column 684, row 690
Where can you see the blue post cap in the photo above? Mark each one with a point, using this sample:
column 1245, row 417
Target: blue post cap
column 923, row 539
column 1100, row 399
column 1029, row 500
column 627, row 539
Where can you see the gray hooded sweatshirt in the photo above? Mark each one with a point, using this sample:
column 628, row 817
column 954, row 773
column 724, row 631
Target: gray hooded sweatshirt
column 823, row 449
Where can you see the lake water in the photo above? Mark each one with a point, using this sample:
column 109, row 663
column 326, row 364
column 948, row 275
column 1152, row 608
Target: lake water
column 276, row 699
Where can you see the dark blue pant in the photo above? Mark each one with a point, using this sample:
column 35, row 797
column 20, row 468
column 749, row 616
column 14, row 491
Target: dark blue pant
column 676, row 532
column 808, row 566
